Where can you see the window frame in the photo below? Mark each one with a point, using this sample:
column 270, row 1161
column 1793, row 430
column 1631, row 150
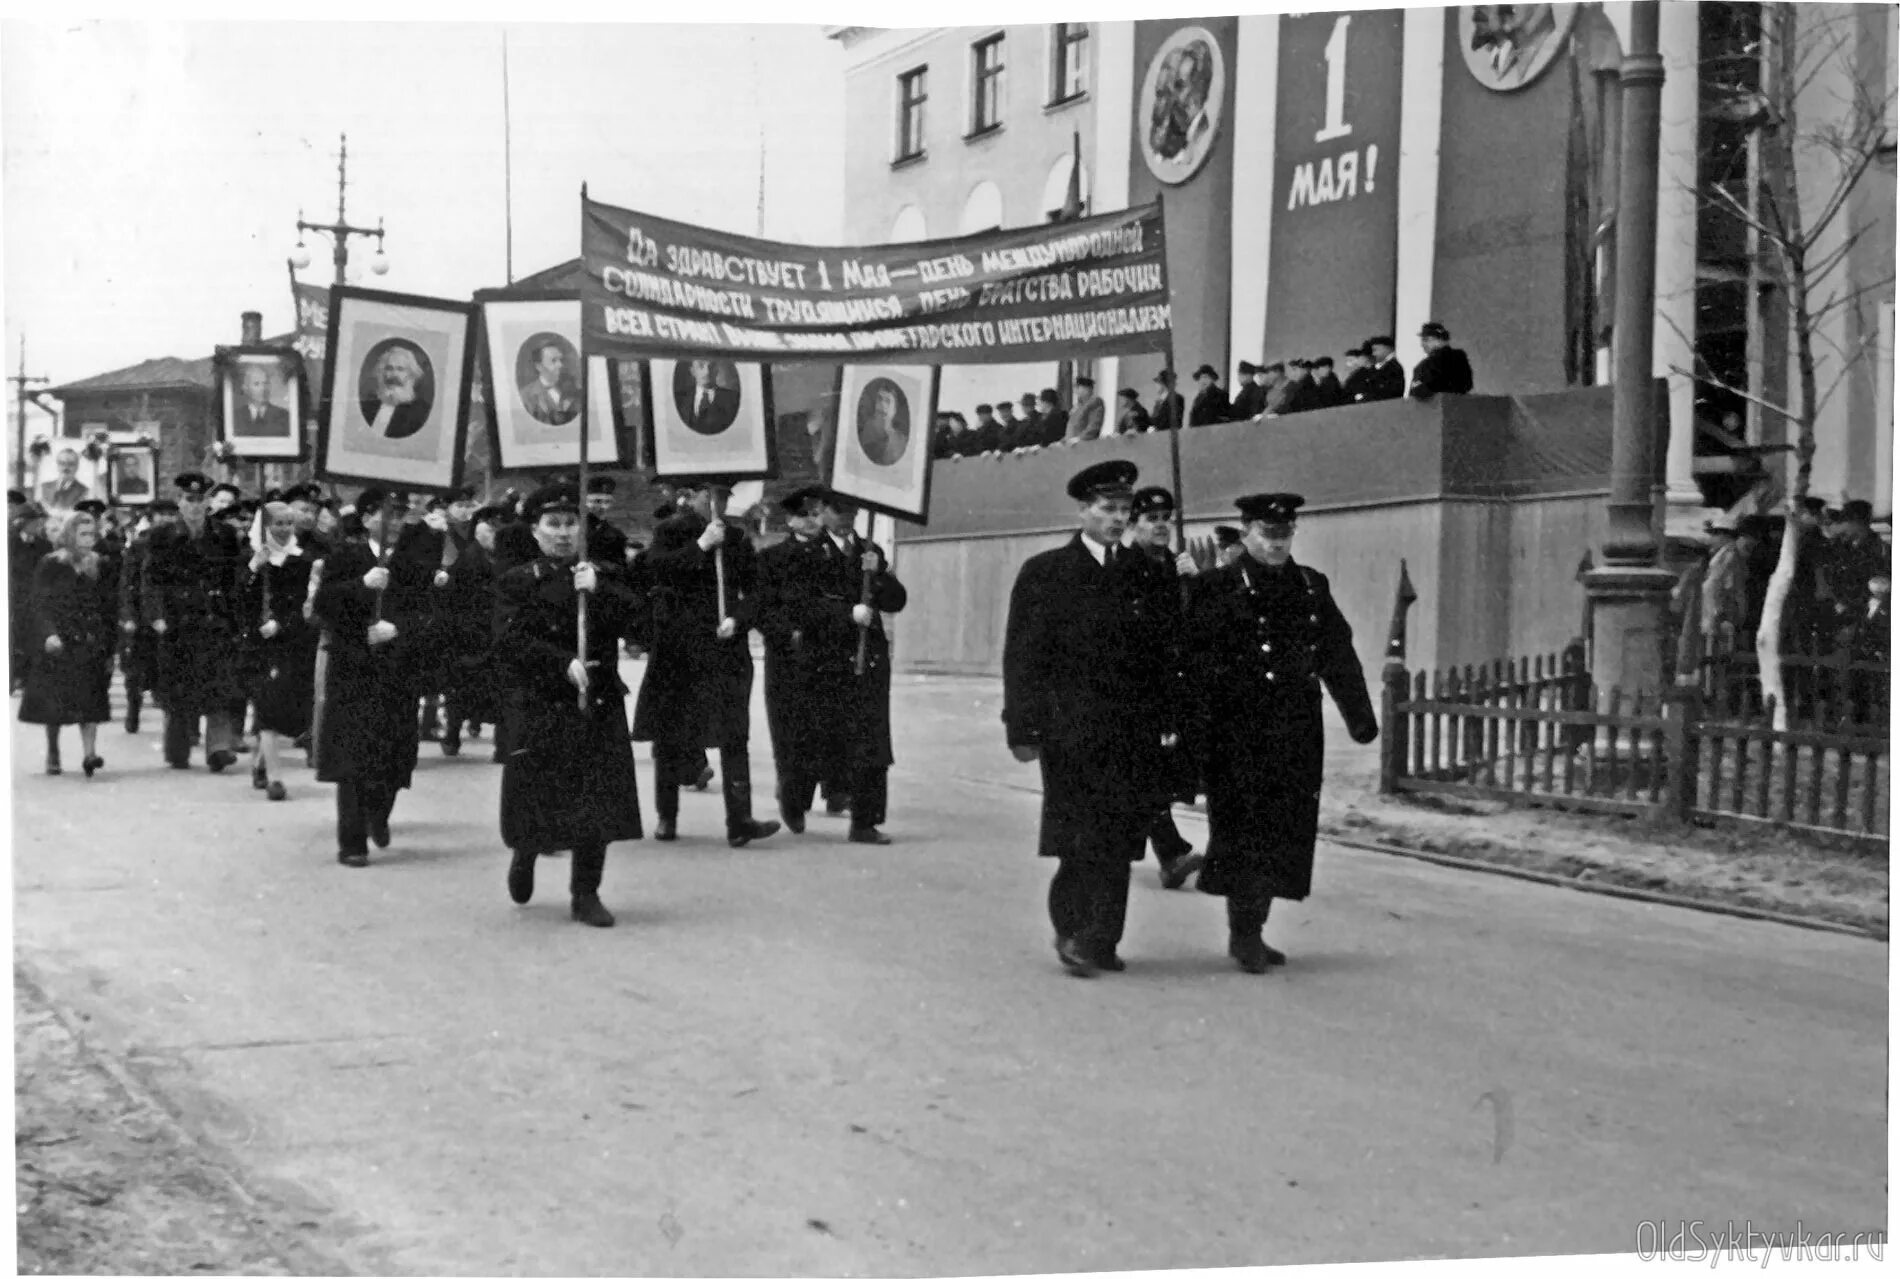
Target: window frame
column 1064, row 36
column 919, row 74
column 981, row 80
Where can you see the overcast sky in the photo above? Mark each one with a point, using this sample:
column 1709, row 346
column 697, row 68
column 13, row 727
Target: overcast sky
column 154, row 171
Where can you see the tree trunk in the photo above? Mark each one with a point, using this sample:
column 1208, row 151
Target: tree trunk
column 1768, row 632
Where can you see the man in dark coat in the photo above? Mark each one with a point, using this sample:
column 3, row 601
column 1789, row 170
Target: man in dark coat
column 1385, row 376
column 841, row 586
column 138, row 652
column 366, row 739
column 1263, row 635
column 1210, row 401
column 1153, row 537
column 569, row 780
column 1086, row 695
column 697, row 692
column 1444, row 370
column 606, row 544
column 1352, row 387
column 464, row 601
column 792, row 714
column 189, row 597
column 1328, row 393
column 1169, row 409
column 1250, row 401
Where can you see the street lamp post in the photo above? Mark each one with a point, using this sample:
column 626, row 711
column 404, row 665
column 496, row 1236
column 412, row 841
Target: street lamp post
column 21, row 383
column 340, row 231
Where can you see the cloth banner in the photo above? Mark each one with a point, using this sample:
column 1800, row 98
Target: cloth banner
column 1070, row 290
column 312, row 304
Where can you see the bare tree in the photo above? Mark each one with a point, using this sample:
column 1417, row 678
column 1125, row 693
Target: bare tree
column 1814, row 152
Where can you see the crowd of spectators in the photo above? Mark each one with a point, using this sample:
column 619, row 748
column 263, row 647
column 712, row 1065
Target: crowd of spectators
column 1279, row 389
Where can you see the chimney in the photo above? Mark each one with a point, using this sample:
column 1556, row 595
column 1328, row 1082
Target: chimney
column 253, row 328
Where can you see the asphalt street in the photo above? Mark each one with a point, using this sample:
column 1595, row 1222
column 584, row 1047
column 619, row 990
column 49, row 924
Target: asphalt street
column 811, row 1057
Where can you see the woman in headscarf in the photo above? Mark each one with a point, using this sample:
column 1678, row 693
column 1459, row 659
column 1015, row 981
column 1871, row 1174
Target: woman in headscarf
column 74, row 608
column 283, row 643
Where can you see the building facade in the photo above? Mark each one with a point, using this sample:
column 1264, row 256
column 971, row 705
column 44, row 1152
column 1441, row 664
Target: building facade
column 1328, row 176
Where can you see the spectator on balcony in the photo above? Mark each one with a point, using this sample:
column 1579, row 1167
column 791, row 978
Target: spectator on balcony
column 943, row 436
column 1008, row 425
column 1250, row 400
column 1030, row 411
column 1444, row 370
column 1052, row 420
column 1301, row 394
column 1385, row 376
column 1210, row 401
column 987, row 435
column 1352, row 386
column 1328, row 393
column 1130, row 417
column 1169, row 406
column 1089, row 413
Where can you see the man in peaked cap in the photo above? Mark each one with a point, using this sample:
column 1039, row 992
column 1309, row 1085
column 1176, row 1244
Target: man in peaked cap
column 1444, row 370
column 139, row 658
column 1264, row 636
column 569, row 781
column 606, row 544
column 791, row 712
column 189, row 598
column 1086, row 697
column 1153, row 537
column 1210, row 400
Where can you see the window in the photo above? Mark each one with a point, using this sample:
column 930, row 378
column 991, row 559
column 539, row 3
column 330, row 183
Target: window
column 986, row 85
column 1068, row 62
column 911, row 95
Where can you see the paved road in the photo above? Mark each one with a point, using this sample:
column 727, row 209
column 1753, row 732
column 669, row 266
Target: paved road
column 814, row 1057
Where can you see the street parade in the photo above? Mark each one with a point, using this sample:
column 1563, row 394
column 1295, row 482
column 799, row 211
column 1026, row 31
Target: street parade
column 1257, row 601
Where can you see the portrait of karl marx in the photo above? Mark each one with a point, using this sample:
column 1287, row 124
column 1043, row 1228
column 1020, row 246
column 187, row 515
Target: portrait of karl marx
column 1178, row 119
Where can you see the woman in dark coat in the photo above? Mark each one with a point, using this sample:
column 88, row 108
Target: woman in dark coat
column 74, row 617
column 1263, row 636
column 367, row 734
column 568, row 781
column 283, row 644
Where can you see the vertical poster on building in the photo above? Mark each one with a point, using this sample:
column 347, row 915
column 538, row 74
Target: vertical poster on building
column 1332, row 268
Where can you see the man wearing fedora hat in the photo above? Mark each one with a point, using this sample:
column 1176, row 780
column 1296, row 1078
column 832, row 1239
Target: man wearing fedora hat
column 1444, row 370
column 1384, row 375
column 1210, row 401
column 1086, row 697
column 1169, row 407
column 1264, row 637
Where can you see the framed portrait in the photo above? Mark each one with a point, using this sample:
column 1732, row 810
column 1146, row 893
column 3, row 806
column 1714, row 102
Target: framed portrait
column 709, row 417
column 132, row 475
column 1178, row 112
column 396, row 390
column 538, row 388
column 881, row 445
column 262, row 400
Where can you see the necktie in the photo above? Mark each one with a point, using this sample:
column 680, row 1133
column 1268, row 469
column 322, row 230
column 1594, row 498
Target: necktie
column 705, row 402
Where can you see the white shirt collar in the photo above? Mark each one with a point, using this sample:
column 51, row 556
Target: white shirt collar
column 1096, row 549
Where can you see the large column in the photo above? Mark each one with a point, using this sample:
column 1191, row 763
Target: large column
column 1678, row 40
column 1422, row 88
column 1630, row 593
column 1114, row 95
column 1256, row 103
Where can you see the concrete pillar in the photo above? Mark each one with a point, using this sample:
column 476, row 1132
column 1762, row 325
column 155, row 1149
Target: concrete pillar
column 1114, row 94
column 1256, row 105
column 1629, row 593
column 1422, row 84
column 1679, row 43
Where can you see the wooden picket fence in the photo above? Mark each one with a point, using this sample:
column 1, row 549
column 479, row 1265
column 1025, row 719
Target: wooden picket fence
column 1537, row 731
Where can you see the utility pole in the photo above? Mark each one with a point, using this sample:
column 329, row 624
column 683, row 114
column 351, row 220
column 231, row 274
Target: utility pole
column 20, row 384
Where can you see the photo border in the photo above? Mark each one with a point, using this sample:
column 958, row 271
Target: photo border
column 649, row 428
column 224, row 362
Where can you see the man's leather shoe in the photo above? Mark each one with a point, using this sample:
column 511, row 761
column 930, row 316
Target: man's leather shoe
column 451, row 746
column 1174, row 874
column 1073, row 957
column 521, row 878
column 867, row 835
column 751, row 831
column 1250, row 953
column 589, row 911
column 218, row 761
column 276, row 791
column 1274, row 957
column 794, row 822
column 353, row 858
column 1109, row 961
column 666, row 830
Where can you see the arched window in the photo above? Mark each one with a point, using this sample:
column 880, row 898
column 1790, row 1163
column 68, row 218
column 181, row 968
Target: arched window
column 983, row 211
column 1055, row 192
column 908, row 226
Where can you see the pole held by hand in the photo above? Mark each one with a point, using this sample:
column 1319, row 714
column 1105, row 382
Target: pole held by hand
column 580, row 597
column 719, row 552
column 864, row 598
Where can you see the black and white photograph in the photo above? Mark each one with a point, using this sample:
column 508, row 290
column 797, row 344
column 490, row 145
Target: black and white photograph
column 882, row 452
column 262, row 399
column 395, row 409
column 536, row 385
column 918, row 645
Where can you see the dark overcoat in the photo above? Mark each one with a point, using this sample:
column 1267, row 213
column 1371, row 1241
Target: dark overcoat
column 854, row 710
column 138, row 652
column 568, row 778
column 367, row 731
column 697, row 691
column 1262, row 643
column 465, row 611
column 1085, row 679
column 23, row 557
column 790, row 712
column 1166, row 590
column 73, row 685
column 282, row 669
column 191, row 584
